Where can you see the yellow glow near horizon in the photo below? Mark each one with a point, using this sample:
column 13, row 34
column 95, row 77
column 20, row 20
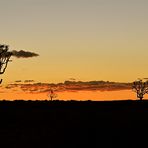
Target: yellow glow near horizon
column 71, row 95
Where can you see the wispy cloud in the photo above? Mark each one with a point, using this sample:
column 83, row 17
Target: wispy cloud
column 24, row 54
column 71, row 86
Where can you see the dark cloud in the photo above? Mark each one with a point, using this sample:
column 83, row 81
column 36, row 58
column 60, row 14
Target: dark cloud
column 72, row 79
column 18, row 81
column 24, row 54
column 27, row 81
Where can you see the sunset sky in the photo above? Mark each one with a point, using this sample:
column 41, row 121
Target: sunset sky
column 81, row 39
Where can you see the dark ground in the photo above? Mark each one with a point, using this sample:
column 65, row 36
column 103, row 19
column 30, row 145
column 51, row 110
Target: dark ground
column 72, row 124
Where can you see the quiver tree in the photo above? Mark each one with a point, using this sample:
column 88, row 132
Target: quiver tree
column 4, row 58
column 141, row 88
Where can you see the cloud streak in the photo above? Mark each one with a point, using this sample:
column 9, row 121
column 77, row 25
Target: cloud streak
column 24, row 54
column 71, row 86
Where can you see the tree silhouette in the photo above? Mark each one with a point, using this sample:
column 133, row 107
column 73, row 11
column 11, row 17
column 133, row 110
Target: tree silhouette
column 4, row 58
column 52, row 94
column 140, row 87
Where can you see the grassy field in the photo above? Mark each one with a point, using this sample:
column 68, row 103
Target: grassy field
column 27, row 124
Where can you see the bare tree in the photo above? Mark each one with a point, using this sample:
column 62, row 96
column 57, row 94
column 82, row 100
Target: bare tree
column 52, row 94
column 4, row 58
column 140, row 87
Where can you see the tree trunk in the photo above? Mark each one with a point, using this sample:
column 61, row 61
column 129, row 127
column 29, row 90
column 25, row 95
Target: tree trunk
column 141, row 98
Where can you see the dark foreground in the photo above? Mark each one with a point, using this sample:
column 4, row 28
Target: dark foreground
column 72, row 124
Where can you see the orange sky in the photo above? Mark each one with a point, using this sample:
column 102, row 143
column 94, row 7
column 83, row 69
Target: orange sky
column 82, row 39
column 17, row 94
